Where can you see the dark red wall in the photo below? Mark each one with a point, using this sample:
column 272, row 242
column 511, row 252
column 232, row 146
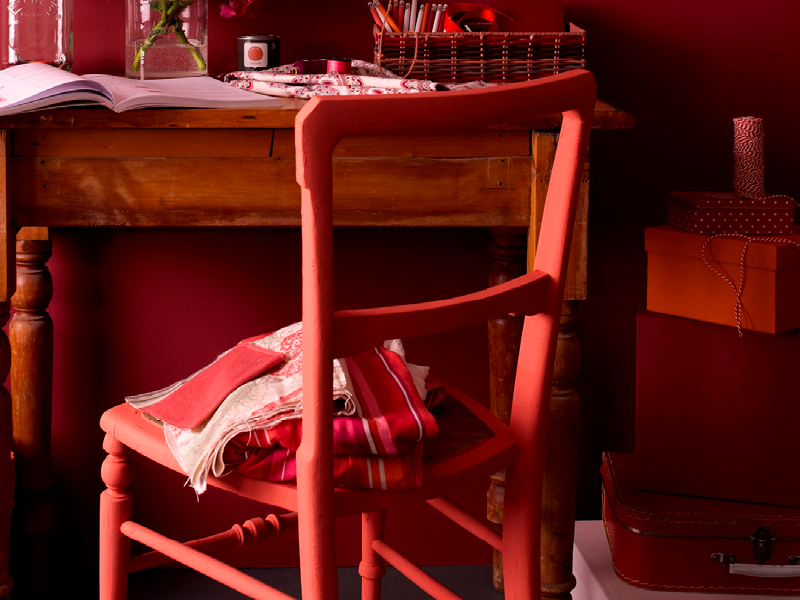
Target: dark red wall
column 137, row 310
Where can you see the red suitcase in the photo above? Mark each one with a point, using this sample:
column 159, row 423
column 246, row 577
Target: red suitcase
column 678, row 543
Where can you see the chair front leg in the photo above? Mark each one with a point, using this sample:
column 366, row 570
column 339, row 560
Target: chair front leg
column 372, row 567
column 115, row 508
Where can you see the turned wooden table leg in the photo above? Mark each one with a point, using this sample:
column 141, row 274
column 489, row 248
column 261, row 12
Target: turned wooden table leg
column 31, row 337
column 509, row 249
column 559, row 494
column 561, row 471
column 560, row 485
column 560, row 480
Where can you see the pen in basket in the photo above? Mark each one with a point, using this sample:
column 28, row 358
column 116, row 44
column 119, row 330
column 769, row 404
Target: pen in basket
column 391, row 25
column 401, row 14
column 426, row 17
column 420, row 15
column 437, row 21
column 409, row 16
column 412, row 15
column 374, row 11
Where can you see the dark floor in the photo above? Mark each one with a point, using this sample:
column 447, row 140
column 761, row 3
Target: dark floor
column 472, row 582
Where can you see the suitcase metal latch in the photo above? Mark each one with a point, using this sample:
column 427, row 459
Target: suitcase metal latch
column 725, row 558
column 761, row 542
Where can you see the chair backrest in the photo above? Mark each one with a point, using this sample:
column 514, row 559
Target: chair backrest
column 319, row 127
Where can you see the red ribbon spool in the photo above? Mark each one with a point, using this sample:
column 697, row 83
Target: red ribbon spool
column 462, row 13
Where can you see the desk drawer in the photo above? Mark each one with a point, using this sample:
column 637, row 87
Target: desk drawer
column 192, row 192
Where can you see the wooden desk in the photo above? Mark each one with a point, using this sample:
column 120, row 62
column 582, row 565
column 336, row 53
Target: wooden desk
column 172, row 168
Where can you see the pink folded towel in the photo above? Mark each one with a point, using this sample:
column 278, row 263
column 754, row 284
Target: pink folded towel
column 189, row 402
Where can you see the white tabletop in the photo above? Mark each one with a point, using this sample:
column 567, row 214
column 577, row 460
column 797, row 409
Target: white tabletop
column 597, row 580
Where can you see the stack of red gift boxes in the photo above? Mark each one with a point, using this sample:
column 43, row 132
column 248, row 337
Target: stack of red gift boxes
column 710, row 501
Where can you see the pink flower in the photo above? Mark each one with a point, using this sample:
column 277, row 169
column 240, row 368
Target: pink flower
column 237, row 8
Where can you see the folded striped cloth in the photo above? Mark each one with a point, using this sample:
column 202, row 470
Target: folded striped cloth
column 377, row 447
column 380, row 418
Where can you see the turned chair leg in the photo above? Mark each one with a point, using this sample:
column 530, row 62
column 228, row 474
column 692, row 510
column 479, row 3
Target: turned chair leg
column 372, row 568
column 115, row 508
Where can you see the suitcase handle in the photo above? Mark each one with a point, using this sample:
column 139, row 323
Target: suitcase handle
column 755, row 570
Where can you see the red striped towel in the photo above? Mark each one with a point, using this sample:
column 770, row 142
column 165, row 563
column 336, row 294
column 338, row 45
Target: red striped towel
column 378, row 447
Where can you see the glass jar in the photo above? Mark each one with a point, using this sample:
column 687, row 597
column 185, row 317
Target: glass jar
column 166, row 38
column 36, row 31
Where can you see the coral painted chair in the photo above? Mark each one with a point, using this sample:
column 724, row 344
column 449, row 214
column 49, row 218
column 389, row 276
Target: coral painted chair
column 313, row 503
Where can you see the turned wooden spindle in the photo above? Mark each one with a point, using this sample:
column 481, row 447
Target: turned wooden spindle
column 116, row 507
column 509, row 249
column 253, row 531
column 31, row 338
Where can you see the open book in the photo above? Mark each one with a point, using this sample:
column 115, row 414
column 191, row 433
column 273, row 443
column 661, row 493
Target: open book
column 37, row 86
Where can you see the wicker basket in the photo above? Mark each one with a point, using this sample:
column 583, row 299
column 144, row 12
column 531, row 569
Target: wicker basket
column 495, row 57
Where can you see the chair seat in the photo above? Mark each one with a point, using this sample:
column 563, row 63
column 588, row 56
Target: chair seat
column 471, row 444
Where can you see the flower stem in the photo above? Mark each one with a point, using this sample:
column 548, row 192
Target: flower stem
column 196, row 54
column 170, row 12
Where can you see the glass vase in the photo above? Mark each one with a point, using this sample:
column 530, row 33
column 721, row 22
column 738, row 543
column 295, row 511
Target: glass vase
column 36, row 31
column 166, row 38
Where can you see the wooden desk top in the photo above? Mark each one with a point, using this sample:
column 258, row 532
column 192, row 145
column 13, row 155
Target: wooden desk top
column 221, row 167
column 605, row 117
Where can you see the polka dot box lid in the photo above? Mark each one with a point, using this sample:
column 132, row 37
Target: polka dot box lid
column 710, row 213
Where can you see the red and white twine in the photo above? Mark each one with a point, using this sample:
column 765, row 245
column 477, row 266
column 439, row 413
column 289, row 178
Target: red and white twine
column 748, row 158
column 738, row 290
column 748, row 181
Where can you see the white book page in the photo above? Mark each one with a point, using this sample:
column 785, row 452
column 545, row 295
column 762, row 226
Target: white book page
column 185, row 92
column 36, row 85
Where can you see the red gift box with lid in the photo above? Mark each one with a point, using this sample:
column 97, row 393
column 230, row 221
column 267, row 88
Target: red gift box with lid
column 680, row 544
column 680, row 283
column 710, row 213
column 717, row 415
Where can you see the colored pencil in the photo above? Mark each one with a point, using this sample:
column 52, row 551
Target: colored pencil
column 437, row 18
column 426, row 17
column 390, row 24
column 412, row 23
column 375, row 15
column 401, row 13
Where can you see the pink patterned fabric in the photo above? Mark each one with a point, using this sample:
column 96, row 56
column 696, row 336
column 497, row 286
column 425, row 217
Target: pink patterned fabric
column 366, row 79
